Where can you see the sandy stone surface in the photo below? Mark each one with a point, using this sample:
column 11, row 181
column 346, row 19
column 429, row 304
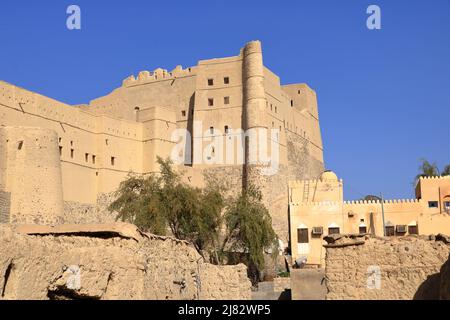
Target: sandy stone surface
column 388, row 268
column 109, row 262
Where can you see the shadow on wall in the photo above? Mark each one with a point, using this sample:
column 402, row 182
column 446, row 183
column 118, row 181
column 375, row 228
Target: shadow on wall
column 429, row 289
column 436, row 286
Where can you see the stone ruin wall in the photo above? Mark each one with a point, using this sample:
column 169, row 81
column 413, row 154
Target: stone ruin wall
column 113, row 261
column 79, row 213
column 409, row 268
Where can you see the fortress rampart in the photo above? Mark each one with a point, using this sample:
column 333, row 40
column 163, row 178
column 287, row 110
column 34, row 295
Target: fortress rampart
column 100, row 143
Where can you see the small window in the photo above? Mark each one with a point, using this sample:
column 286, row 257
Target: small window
column 271, row 107
column 59, row 139
column 211, row 130
column 413, row 230
column 210, row 102
column 93, row 159
column 299, row 91
column 183, row 113
column 86, row 157
column 447, row 204
column 210, row 82
column 20, row 145
column 292, row 103
column 275, row 109
column 302, row 235
column 433, row 204
column 390, row 231
column 226, row 80
column 71, row 143
column 113, row 161
column 362, row 230
column 71, row 153
column 106, row 141
column 226, row 129
column 60, row 151
column 334, row 230
column 226, row 100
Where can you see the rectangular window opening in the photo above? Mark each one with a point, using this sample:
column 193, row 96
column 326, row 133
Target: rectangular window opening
column 390, row 231
column 433, row 204
column 333, row 231
column 413, row 230
column 302, row 235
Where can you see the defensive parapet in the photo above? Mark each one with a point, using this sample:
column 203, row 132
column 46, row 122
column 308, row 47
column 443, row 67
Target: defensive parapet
column 158, row 74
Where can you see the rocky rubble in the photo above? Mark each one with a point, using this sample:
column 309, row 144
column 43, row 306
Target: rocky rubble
column 113, row 261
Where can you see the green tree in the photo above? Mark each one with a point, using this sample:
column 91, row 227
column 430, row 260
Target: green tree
column 249, row 229
column 215, row 224
column 446, row 171
column 427, row 169
column 158, row 203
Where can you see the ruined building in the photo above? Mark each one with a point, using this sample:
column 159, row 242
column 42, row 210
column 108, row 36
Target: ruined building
column 60, row 163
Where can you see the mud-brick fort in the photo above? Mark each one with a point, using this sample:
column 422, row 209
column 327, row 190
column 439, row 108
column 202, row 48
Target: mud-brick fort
column 60, row 163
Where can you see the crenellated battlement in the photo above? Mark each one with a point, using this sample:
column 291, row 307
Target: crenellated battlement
column 434, row 178
column 158, row 74
column 316, row 204
column 353, row 202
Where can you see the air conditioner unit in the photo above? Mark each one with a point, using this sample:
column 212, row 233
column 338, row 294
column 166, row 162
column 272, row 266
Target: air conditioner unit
column 400, row 229
column 317, row 231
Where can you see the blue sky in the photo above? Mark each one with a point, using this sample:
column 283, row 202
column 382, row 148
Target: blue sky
column 384, row 95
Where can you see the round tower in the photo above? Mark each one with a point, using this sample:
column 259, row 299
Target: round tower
column 254, row 109
column 31, row 175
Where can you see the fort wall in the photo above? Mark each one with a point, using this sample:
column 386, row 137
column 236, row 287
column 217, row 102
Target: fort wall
column 123, row 132
column 31, row 175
